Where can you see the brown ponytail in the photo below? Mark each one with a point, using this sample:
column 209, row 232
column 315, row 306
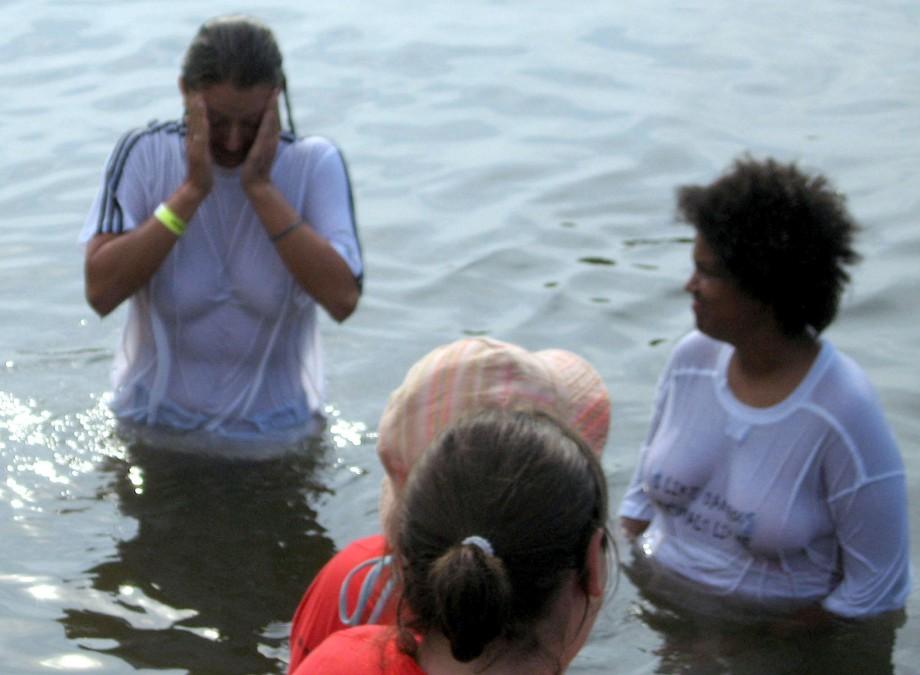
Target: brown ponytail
column 532, row 492
column 472, row 596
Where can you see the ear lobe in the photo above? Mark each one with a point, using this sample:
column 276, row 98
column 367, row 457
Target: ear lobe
column 596, row 563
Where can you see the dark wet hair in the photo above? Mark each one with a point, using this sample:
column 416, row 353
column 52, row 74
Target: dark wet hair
column 238, row 50
column 534, row 491
column 782, row 235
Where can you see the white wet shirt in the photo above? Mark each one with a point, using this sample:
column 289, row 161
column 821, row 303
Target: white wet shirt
column 222, row 339
column 773, row 507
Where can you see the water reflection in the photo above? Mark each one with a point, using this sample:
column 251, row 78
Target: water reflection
column 701, row 644
column 222, row 553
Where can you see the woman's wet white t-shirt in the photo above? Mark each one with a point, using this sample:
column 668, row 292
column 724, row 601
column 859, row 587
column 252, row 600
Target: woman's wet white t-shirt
column 222, row 339
column 802, row 501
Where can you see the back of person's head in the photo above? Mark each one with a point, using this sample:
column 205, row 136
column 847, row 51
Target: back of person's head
column 233, row 49
column 783, row 235
column 497, row 516
column 463, row 377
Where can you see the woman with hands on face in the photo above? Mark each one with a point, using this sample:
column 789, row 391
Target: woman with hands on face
column 224, row 232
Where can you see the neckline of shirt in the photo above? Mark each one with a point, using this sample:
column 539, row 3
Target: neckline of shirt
column 784, row 407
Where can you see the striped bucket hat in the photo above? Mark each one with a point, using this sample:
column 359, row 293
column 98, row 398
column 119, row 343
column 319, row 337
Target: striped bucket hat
column 474, row 374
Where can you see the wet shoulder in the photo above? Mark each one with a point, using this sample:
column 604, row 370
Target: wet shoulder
column 842, row 385
column 156, row 139
column 846, row 400
column 309, row 150
column 697, row 351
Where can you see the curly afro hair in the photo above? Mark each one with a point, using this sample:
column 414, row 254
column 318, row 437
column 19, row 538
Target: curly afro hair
column 783, row 236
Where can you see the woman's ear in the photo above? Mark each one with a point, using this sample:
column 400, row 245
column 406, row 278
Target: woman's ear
column 596, row 563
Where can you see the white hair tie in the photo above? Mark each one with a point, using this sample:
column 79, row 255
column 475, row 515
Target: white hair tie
column 481, row 543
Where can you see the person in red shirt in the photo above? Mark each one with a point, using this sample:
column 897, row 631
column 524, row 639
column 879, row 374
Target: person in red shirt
column 453, row 381
column 501, row 553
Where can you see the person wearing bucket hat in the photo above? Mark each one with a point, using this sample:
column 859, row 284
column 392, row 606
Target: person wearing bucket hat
column 502, row 554
column 450, row 383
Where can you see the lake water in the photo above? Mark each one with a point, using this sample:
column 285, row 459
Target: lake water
column 514, row 166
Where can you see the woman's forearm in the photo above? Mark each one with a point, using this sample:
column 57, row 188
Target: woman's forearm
column 117, row 265
column 311, row 260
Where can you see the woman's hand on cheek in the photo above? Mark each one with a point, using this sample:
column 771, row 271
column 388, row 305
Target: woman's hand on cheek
column 256, row 170
column 198, row 144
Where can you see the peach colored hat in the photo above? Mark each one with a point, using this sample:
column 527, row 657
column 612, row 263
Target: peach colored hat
column 474, row 374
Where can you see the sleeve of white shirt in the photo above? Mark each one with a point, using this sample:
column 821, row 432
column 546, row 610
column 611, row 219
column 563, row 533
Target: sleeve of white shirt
column 120, row 204
column 867, row 495
column 330, row 208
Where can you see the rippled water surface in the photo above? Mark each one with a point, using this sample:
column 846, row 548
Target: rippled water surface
column 514, row 166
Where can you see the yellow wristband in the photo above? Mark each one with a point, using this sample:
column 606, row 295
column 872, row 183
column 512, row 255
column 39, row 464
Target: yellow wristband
column 170, row 220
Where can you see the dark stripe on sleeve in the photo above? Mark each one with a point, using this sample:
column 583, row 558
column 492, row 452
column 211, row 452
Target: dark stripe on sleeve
column 354, row 220
column 108, row 206
column 111, row 217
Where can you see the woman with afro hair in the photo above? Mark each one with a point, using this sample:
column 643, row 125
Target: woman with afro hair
column 769, row 485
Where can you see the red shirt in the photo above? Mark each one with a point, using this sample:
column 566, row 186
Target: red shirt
column 317, row 617
column 364, row 650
